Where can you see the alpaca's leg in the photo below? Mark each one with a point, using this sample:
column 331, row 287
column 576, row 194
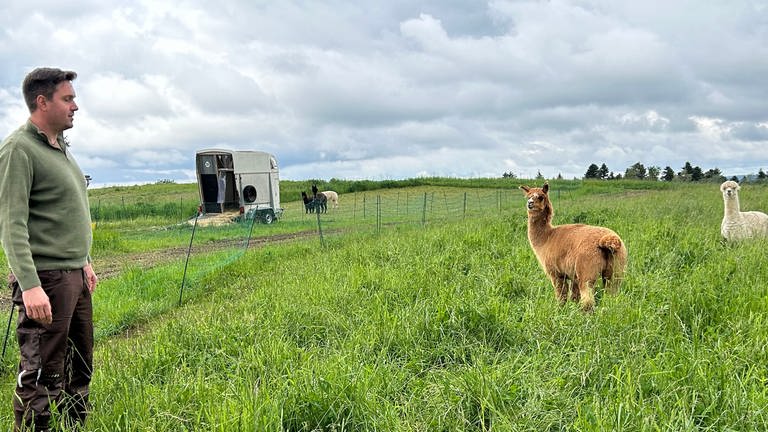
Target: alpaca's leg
column 612, row 285
column 614, row 273
column 575, row 294
column 586, row 291
column 561, row 287
column 607, row 276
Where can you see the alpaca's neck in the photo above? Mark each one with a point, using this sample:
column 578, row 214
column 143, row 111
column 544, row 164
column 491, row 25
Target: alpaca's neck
column 540, row 225
column 732, row 207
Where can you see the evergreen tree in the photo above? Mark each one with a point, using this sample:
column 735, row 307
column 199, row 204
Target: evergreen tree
column 714, row 175
column 687, row 172
column 669, row 174
column 592, row 172
column 697, row 174
column 653, row 173
column 602, row 173
column 688, row 168
column 636, row 171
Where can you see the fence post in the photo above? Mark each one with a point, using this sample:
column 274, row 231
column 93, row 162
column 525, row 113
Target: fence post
column 406, row 203
column 465, row 205
column 8, row 329
column 186, row 262
column 424, row 210
column 432, row 204
column 319, row 227
column 250, row 230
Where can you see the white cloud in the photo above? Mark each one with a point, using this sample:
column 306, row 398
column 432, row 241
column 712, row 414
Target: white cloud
column 712, row 129
column 649, row 120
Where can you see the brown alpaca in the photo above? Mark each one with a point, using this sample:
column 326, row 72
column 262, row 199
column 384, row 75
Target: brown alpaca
column 573, row 254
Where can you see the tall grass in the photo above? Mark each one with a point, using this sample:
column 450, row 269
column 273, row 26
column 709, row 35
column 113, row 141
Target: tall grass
column 450, row 325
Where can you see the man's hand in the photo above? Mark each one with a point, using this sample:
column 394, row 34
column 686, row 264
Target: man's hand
column 90, row 277
column 37, row 305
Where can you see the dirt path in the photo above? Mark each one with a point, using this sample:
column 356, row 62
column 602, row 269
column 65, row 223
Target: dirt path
column 112, row 266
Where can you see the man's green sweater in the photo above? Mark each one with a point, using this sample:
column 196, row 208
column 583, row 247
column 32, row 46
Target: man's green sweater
column 45, row 219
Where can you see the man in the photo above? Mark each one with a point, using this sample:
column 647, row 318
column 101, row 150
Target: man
column 45, row 228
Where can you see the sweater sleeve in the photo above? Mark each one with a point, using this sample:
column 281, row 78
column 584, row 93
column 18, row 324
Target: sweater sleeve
column 15, row 186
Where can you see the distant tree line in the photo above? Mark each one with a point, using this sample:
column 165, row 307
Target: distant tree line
column 688, row 172
column 539, row 175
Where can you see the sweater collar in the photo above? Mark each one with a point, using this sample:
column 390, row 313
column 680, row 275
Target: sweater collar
column 43, row 138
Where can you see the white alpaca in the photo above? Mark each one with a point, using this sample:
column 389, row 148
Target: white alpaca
column 738, row 225
column 333, row 197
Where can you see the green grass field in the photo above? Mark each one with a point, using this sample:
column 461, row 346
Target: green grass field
column 401, row 321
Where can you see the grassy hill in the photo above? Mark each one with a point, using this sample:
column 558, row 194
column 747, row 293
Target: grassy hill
column 166, row 203
column 439, row 320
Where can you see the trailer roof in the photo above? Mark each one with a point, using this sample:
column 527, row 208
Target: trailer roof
column 229, row 151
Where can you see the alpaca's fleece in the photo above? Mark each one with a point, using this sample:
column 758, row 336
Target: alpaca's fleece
column 333, row 197
column 573, row 254
column 738, row 225
column 321, row 202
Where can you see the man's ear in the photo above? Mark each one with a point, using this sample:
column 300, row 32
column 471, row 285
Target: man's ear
column 42, row 102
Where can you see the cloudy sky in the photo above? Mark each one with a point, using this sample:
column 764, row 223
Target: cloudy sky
column 391, row 89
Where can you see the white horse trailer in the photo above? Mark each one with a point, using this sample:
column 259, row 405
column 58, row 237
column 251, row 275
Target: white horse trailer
column 246, row 181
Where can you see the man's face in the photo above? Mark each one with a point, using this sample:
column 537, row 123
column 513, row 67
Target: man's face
column 60, row 110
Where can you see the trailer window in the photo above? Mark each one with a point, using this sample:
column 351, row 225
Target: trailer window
column 249, row 194
column 224, row 161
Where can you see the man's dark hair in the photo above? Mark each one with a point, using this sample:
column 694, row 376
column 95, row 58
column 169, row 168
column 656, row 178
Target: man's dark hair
column 43, row 81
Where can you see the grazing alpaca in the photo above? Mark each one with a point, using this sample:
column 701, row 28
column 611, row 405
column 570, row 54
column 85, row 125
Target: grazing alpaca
column 333, row 197
column 309, row 206
column 738, row 225
column 573, row 254
column 320, row 202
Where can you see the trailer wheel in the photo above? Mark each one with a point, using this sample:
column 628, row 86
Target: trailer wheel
column 268, row 217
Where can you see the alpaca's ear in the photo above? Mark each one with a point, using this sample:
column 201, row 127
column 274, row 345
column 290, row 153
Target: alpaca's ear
column 545, row 188
column 525, row 188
